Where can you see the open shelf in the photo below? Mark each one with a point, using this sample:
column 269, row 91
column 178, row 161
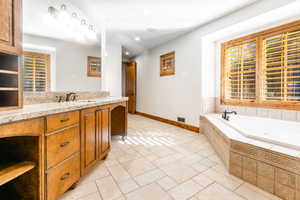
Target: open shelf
column 2, row 71
column 10, row 91
column 10, row 172
column 9, row 62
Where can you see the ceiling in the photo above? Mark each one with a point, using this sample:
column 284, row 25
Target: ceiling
column 154, row 21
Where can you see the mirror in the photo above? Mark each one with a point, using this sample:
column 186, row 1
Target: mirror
column 51, row 64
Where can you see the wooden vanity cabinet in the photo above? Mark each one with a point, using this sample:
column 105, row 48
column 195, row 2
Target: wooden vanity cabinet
column 88, row 138
column 103, row 132
column 95, row 136
column 10, row 26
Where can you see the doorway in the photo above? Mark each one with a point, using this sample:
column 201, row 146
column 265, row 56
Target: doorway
column 129, row 84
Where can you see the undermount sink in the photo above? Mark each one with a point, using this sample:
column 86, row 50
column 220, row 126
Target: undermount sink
column 86, row 101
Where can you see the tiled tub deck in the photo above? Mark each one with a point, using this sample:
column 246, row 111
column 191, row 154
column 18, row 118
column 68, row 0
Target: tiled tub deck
column 272, row 168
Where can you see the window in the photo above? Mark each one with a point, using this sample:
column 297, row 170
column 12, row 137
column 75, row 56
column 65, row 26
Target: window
column 263, row 69
column 36, row 72
column 240, row 72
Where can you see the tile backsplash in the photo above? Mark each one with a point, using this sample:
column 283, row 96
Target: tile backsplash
column 290, row 115
column 48, row 97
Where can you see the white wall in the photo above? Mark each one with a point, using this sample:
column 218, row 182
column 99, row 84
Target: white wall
column 112, row 67
column 171, row 96
column 68, row 63
column 192, row 90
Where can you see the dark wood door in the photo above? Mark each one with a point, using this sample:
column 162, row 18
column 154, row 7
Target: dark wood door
column 104, row 136
column 131, row 86
column 88, row 138
column 10, row 26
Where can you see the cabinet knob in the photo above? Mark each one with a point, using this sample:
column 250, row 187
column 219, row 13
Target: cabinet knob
column 64, row 120
column 64, row 144
column 65, row 176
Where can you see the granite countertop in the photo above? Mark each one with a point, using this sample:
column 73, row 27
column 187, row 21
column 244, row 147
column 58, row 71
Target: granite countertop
column 43, row 109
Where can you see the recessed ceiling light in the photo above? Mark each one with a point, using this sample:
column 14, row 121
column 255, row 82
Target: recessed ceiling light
column 127, row 53
column 137, row 38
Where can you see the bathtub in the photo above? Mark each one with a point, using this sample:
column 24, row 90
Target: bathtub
column 279, row 132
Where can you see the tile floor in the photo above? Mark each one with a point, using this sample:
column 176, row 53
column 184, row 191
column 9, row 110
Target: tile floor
column 162, row 162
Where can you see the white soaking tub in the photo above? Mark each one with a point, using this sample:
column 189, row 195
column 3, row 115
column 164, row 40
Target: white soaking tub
column 279, row 132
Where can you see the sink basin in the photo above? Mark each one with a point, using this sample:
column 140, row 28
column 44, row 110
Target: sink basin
column 86, row 101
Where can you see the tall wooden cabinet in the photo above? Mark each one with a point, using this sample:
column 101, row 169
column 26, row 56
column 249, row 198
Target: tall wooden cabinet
column 10, row 52
column 95, row 136
column 10, row 27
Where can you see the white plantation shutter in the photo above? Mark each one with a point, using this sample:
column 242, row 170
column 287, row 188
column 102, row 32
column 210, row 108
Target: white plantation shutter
column 36, row 72
column 240, row 72
column 281, row 67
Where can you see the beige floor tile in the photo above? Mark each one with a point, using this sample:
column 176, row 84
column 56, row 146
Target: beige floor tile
column 168, row 160
column 138, row 167
column 185, row 190
column 119, row 173
column 94, row 196
column 81, row 190
column 128, row 186
column 149, row 177
column 149, row 192
column 179, row 172
column 162, row 162
column 203, row 180
column 217, row 192
column 251, row 192
column 167, row 183
column 200, row 167
column 97, row 172
column 230, row 182
column 208, row 163
column 108, row 188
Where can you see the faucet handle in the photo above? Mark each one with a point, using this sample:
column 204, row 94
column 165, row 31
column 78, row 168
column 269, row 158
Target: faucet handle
column 60, row 99
column 75, row 97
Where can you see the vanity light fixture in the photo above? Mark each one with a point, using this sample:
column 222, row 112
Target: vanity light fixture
column 79, row 27
column 127, row 53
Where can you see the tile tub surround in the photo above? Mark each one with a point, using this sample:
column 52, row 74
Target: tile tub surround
column 43, row 109
column 270, row 167
column 290, row 115
column 50, row 97
column 158, row 162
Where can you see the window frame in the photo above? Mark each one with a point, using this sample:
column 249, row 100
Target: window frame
column 259, row 100
column 48, row 66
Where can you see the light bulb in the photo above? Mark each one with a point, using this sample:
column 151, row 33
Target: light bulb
column 63, row 7
column 83, row 22
column 74, row 15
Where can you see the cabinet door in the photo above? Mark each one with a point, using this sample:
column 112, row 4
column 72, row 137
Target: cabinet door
column 105, row 131
column 88, row 138
column 10, row 26
column 104, row 136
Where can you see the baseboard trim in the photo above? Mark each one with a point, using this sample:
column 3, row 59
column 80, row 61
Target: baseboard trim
column 175, row 123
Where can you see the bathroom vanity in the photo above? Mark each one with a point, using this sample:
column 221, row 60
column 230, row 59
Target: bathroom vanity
column 46, row 148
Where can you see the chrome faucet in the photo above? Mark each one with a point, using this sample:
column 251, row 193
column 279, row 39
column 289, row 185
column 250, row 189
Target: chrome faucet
column 69, row 95
column 225, row 115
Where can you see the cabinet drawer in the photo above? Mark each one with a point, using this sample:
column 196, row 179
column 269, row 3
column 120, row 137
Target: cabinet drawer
column 62, row 177
column 34, row 127
column 55, row 122
column 62, row 144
